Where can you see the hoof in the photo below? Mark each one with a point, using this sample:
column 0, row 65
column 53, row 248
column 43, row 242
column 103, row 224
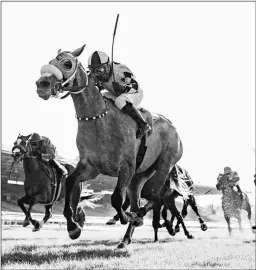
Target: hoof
column 36, row 226
column 169, row 228
column 138, row 221
column 121, row 245
column 177, row 229
column 203, row 227
column 111, row 222
column 75, row 233
column 80, row 217
column 25, row 223
column 189, row 236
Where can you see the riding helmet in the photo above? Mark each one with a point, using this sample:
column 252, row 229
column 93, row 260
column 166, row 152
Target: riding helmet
column 97, row 59
column 35, row 137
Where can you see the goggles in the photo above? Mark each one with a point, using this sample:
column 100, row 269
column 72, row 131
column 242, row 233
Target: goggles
column 98, row 71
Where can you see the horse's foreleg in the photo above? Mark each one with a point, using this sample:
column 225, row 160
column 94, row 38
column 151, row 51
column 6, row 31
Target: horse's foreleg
column 192, row 203
column 78, row 212
column 87, row 172
column 20, row 202
column 164, row 215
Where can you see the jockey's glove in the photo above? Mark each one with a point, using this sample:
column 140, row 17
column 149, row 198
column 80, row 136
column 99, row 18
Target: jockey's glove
column 119, row 89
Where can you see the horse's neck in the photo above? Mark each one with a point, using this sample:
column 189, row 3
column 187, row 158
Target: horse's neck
column 30, row 164
column 90, row 102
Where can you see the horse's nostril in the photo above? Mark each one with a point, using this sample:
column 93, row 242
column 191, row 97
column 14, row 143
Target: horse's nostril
column 44, row 84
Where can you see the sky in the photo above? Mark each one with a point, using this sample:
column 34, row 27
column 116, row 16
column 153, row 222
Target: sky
column 194, row 60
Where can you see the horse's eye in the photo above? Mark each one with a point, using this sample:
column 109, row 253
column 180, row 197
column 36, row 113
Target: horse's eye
column 67, row 65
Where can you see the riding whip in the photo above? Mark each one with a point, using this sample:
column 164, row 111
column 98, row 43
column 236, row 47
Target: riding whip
column 113, row 46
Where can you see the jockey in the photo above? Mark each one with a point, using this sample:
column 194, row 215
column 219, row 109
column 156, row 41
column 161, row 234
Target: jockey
column 121, row 85
column 233, row 179
column 43, row 147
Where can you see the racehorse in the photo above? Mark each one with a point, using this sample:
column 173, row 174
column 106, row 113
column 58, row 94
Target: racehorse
column 106, row 140
column 175, row 174
column 232, row 204
column 42, row 185
column 177, row 171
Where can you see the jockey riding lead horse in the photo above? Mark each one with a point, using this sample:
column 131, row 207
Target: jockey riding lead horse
column 107, row 141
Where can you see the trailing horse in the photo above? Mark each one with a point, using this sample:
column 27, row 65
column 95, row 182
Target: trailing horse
column 232, row 204
column 177, row 171
column 42, row 185
column 176, row 174
column 106, row 141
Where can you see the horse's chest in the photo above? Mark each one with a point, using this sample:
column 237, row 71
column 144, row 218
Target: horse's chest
column 229, row 207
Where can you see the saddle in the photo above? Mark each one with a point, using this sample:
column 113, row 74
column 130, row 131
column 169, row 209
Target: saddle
column 56, row 181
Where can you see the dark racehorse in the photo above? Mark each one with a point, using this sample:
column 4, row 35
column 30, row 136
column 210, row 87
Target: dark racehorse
column 42, row 185
column 173, row 193
column 177, row 171
column 232, row 204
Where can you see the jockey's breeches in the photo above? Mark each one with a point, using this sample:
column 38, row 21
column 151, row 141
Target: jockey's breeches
column 120, row 101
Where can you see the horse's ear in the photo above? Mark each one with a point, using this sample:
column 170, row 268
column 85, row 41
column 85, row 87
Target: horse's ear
column 77, row 52
column 59, row 51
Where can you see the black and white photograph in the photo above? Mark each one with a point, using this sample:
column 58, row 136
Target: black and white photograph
column 128, row 135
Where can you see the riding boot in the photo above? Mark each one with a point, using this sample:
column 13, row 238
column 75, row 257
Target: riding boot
column 59, row 170
column 143, row 127
column 239, row 191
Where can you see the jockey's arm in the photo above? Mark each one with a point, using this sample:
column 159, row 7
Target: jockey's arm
column 129, row 83
column 49, row 150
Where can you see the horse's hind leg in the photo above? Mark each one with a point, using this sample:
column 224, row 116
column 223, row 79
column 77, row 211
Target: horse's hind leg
column 47, row 215
column 249, row 214
column 34, row 222
column 229, row 227
column 192, row 203
column 20, row 202
column 239, row 219
column 115, row 218
column 170, row 201
column 164, row 215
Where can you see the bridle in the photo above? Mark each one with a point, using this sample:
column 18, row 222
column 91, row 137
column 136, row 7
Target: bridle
column 62, row 84
column 23, row 150
column 75, row 92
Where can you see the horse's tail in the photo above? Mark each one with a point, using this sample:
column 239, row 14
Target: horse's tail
column 89, row 201
column 180, row 185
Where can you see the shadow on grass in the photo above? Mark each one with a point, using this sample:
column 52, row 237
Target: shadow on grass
column 26, row 253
